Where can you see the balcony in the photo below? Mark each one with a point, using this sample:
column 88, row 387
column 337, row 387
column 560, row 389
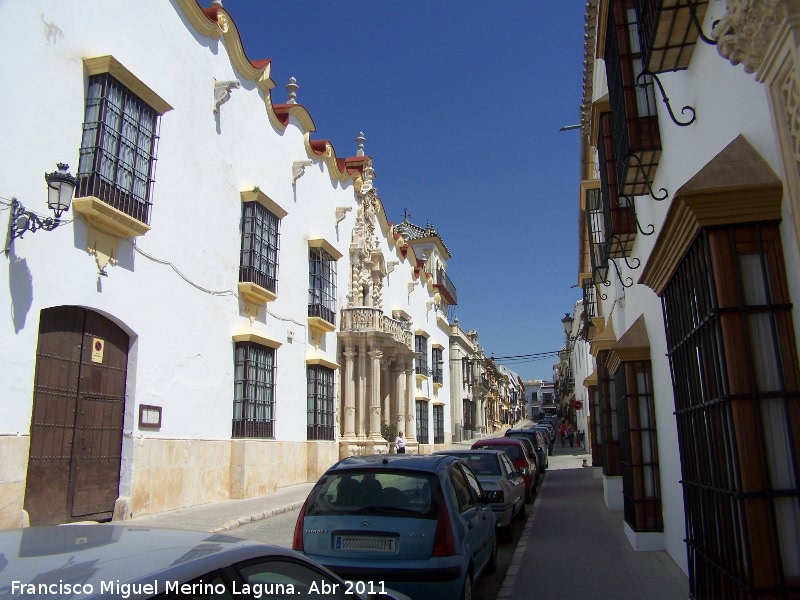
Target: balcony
column 372, row 320
column 633, row 127
column 446, row 288
column 615, row 230
column 667, row 33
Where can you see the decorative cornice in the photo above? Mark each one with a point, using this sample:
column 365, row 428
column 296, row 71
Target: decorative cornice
column 746, row 32
column 256, row 195
column 325, row 245
column 250, row 336
column 604, row 340
column 633, row 345
column 109, row 64
column 736, row 186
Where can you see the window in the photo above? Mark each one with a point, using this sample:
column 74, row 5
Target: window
column 607, row 417
column 438, row 424
column 259, row 258
column 284, row 578
column 438, row 365
column 421, row 348
column 254, row 391
column 469, row 414
column 637, row 446
column 422, row 422
column 321, row 403
column 461, row 490
column 467, row 376
column 321, row 285
column 736, row 384
column 118, row 147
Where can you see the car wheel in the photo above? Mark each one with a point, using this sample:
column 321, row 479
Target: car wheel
column 466, row 592
column 491, row 566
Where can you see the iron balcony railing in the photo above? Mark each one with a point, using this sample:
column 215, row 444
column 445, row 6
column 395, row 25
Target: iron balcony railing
column 446, row 287
column 635, row 132
column 618, row 222
column 668, row 30
column 372, row 319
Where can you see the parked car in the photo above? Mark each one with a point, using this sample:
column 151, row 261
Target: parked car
column 551, row 438
column 114, row 561
column 550, row 428
column 420, row 523
column 524, row 460
column 538, row 442
column 501, row 482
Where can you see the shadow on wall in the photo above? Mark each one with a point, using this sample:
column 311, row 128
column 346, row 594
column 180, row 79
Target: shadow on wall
column 20, row 285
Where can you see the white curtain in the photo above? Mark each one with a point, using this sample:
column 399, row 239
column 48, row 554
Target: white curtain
column 774, row 416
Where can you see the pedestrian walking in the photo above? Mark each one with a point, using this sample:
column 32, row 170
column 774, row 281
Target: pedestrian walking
column 400, row 443
column 571, row 435
column 562, row 432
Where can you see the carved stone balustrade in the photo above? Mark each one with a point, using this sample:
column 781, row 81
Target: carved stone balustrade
column 366, row 319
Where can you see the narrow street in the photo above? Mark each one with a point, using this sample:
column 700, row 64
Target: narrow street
column 278, row 530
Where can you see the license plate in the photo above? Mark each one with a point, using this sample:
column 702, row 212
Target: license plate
column 363, row 543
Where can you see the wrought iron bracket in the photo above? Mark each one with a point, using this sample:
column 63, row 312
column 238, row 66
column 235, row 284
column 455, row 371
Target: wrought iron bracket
column 628, row 282
column 692, row 4
column 651, row 228
column 639, row 82
column 663, row 193
column 21, row 221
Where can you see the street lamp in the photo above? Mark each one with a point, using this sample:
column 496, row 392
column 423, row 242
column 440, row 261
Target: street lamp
column 567, row 322
column 60, row 187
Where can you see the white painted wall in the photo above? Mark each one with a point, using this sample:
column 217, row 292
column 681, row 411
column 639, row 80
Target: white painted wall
column 728, row 103
column 182, row 353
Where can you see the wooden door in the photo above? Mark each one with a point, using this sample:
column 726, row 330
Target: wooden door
column 78, row 410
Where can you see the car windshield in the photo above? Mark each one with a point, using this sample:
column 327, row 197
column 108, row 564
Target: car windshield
column 391, row 493
column 514, row 452
column 482, row 464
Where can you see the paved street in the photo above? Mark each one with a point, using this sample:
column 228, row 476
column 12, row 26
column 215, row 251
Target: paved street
column 570, row 547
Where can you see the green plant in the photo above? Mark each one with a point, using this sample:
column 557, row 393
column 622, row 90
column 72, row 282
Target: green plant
column 389, row 432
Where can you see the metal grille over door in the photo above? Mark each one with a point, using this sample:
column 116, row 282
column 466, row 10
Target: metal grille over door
column 78, row 410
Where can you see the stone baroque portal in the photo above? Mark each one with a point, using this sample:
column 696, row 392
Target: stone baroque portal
column 378, row 378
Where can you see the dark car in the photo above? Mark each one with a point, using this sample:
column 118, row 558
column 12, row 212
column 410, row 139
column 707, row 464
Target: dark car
column 524, row 461
column 503, row 484
column 420, row 523
column 537, row 441
column 113, row 561
column 549, row 435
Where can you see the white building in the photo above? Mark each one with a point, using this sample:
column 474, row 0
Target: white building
column 689, row 247
column 231, row 321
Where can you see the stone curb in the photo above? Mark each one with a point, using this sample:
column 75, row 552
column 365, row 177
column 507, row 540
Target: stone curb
column 236, row 523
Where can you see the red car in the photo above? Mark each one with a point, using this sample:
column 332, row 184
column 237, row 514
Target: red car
column 517, row 451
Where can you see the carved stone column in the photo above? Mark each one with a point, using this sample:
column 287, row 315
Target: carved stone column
column 411, row 384
column 349, row 395
column 480, row 414
column 386, row 390
column 375, row 401
column 400, row 398
column 361, row 403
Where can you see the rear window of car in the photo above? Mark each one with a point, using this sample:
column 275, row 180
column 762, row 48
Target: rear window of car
column 481, row 464
column 514, row 452
column 404, row 494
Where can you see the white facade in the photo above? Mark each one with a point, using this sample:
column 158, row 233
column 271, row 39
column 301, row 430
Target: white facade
column 732, row 171
column 172, row 285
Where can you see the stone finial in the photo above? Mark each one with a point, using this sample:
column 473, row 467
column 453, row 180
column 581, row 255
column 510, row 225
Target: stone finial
column 292, row 88
column 360, row 139
column 217, row 3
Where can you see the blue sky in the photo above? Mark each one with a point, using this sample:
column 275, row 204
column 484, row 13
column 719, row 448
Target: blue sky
column 461, row 104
